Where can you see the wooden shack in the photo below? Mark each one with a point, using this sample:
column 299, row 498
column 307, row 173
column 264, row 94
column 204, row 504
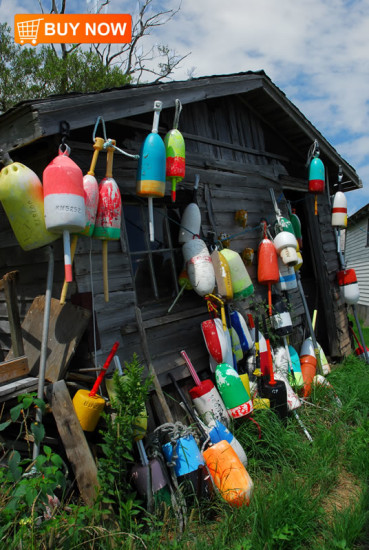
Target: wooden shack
column 243, row 137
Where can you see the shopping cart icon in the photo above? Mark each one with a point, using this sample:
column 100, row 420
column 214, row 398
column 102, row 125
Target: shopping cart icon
column 28, row 30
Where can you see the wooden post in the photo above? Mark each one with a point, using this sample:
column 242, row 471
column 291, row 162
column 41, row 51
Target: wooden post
column 11, row 298
column 74, row 440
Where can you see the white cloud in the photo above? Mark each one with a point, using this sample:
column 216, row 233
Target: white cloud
column 315, row 51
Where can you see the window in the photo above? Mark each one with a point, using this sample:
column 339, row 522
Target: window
column 155, row 265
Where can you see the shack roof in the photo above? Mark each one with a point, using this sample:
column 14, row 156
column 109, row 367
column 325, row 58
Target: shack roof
column 31, row 120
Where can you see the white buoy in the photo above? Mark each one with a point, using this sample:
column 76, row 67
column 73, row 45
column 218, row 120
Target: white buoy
column 199, row 266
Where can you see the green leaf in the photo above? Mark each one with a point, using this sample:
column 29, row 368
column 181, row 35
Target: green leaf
column 27, row 402
column 4, row 425
column 15, row 411
column 38, row 431
column 13, row 464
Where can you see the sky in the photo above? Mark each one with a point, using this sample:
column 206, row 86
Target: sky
column 315, row 51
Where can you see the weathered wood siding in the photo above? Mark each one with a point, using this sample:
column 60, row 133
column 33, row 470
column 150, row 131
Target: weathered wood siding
column 226, row 146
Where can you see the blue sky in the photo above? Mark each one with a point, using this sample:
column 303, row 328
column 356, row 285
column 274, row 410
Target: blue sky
column 315, row 51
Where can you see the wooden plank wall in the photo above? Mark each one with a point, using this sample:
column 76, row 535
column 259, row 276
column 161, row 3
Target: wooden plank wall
column 227, row 150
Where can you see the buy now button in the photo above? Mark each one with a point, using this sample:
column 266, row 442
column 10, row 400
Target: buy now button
column 72, row 28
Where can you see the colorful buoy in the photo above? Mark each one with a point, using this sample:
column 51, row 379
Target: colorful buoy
column 175, row 153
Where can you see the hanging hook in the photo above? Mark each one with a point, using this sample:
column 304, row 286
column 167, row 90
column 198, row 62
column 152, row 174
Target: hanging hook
column 64, row 128
column 98, row 120
column 177, row 114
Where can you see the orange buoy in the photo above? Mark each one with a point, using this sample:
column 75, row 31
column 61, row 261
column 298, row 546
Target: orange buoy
column 268, row 272
column 229, row 474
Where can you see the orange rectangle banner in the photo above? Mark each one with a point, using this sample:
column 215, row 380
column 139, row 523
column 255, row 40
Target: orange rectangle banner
column 72, row 28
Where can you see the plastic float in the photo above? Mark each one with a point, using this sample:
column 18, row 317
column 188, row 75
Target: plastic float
column 64, row 201
column 349, row 287
column 241, row 282
column 235, row 397
column 296, row 224
column 88, row 405
column 287, row 276
column 206, row 398
column 109, row 213
column 191, row 217
column 316, row 175
column 150, row 179
column 199, row 266
column 175, row 153
column 240, row 326
column 268, row 273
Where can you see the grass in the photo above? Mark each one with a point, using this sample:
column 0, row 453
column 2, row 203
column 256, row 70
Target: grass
column 307, row 495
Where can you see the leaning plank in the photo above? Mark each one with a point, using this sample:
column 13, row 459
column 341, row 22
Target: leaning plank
column 67, row 323
column 74, row 440
column 11, row 370
column 10, row 291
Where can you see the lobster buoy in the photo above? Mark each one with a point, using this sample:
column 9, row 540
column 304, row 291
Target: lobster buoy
column 287, row 276
column 219, row 432
column 175, row 153
column 22, row 197
column 208, row 403
column 241, row 282
column 236, row 344
column 187, row 455
column 262, row 346
column 232, row 391
column 199, row 266
column 229, row 474
column 286, row 246
column 296, row 367
column 307, row 348
column 300, row 261
column 191, row 217
column 151, row 474
column 64, row 201
column 222, row 276
column 240, row 326
column 91, row 189
column 150, row 179
column 296, row 224
column 349, row 287
column 281, row 319
column 268, row 273
column 316, row 178
column 308, row 369
column 281, row 365
column 339, row 210
column 217, row 340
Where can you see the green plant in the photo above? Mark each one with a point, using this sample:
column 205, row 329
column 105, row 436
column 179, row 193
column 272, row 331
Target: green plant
column 128, row 402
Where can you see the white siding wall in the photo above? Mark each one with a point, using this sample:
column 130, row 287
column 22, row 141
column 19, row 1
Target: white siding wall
column 357, row 256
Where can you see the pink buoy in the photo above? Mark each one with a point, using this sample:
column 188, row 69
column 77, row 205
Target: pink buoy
column 64, row 201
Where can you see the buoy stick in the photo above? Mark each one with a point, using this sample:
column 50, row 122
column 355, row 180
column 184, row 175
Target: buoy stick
column 270, row 298
column 73, row 246
column 308, row 319
column 288, row 357
column 270, row 360
column 150, row 204
column 103, row 370
column 183, row 288
column 316, row 205
column 44, row 341
column 118, row 365
column 142, row 453
column 191, row 368
column 105, row 269
column 302, row 426
column 98, row 145
column 67, row 257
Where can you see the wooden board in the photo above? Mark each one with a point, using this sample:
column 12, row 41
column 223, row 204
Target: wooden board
column 11, row 390
column 66, row 326
column 74, row 440
column 11, row 370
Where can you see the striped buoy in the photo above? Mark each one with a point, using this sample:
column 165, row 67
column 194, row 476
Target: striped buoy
column 199, row 266
column 339, row 210
column 349, row 287
column 240, row 326
column 232, row 391
column 287, row 276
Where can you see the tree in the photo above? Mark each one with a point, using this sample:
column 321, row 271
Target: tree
column 29, row 72
column 135, row 60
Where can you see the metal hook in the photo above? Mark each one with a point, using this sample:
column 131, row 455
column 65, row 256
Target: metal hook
column 98, row 120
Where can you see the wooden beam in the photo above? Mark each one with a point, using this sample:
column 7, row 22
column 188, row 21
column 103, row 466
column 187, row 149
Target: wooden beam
column 11, row 370
column 74, row 440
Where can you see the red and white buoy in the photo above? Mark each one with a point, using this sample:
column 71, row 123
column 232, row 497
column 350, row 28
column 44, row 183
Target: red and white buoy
column 349, row 286
column 339, row 210
column 64, row 201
